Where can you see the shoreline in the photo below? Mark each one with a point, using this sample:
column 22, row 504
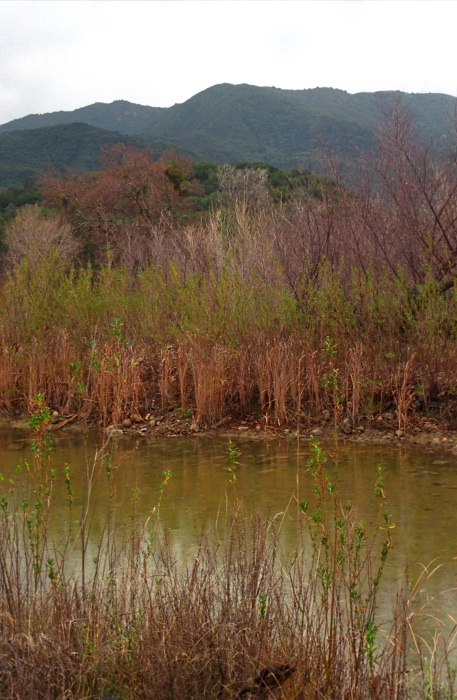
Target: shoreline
column 426, row 433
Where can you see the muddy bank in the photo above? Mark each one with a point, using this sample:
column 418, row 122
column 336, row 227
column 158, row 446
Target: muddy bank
column 383, row 429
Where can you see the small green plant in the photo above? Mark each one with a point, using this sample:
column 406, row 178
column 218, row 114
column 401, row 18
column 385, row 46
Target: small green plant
column 330, row 347
column 108, row 463
column 333, row 384
column 343, row 556
column 80, row 388
column 334, row 389
column 37, row 514
column 304, row 505
column 41, row 415
column 74, row 368
column 95, row 364
column 263, row 606
column 116, row 328
column 370, row 647
column 232, row 452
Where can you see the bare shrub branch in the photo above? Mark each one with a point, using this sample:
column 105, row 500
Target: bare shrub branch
column 31, row 234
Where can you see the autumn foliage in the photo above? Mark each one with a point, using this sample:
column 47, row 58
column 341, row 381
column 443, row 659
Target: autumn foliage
column 118, row 211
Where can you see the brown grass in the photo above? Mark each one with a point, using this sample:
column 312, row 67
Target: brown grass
column 149, row 627
column 240, row 617
column 245, row 334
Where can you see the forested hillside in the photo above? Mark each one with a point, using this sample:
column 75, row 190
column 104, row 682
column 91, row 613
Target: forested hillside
column 226, row 123
column 26, row 155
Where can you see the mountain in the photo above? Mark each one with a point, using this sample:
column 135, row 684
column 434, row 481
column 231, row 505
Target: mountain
column 290, row 128
column 26, row 154
column 287, row 128
column 120, row 116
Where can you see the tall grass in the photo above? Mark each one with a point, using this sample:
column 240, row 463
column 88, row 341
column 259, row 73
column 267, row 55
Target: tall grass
column 107, row 345
column 242, row 617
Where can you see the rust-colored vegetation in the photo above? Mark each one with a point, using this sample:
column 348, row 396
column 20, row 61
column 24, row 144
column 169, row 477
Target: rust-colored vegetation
column 337, row 300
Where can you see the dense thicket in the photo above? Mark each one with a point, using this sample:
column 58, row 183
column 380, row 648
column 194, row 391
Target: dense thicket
column 322, row 299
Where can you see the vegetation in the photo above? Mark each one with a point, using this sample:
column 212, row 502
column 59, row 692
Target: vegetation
column 235, row 290
column 11, row 200
column 242, row 618
column 322, row 302
column 26, row 155
column 225, row 123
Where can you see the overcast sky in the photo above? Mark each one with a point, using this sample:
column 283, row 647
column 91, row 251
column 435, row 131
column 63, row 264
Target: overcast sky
column 64, row 54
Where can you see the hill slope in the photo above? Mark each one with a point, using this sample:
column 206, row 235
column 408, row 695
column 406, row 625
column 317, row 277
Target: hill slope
column 290, row 128
column 287, row 128
column 26, row 154
column 122, row 116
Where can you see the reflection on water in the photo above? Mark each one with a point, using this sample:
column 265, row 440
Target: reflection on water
column 420, row 490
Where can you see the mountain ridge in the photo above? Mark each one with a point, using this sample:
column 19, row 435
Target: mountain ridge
column 227, row 123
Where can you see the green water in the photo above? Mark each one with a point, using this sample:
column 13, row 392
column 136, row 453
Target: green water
column 421, row 491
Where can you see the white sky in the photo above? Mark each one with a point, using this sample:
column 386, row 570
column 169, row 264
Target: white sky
column 64, row 54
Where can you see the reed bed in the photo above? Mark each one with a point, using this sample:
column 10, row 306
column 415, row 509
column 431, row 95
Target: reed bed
column 108, row 345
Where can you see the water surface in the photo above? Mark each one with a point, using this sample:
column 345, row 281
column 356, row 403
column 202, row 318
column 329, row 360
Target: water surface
column 420, row 486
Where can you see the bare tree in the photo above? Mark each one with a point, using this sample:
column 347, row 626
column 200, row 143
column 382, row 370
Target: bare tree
column 31, row 234
column 413, row 221
column 246, row 188
column 243, row 194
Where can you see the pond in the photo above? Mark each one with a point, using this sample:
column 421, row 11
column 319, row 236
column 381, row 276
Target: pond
column 272, row 477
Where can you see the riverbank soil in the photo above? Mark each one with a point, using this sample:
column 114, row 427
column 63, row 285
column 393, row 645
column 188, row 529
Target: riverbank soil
column 384, row 429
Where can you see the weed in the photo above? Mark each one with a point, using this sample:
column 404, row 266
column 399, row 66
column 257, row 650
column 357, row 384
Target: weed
column 238, row 614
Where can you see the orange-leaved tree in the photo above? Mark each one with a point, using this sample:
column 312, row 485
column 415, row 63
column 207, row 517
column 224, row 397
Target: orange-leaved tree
column 121, row 211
